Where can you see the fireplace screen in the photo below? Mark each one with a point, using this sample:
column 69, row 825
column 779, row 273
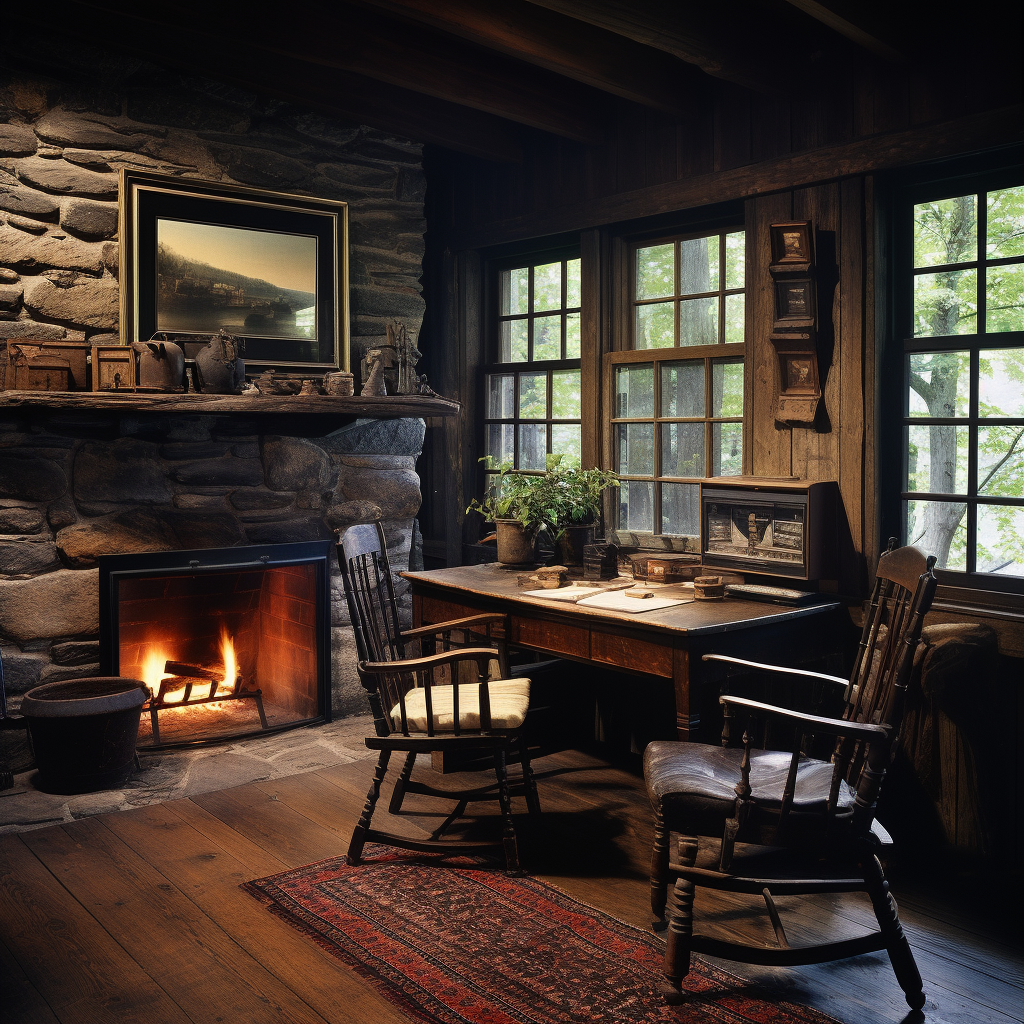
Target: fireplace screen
column 230, row 642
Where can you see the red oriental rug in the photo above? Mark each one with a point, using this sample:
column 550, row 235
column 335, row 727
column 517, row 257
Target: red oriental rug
column 457, row 944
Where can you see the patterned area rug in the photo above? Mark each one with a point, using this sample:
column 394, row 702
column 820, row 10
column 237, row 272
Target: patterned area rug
column 457, row 944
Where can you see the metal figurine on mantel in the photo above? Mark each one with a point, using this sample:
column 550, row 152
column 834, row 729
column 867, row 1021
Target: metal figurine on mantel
column 389, row 369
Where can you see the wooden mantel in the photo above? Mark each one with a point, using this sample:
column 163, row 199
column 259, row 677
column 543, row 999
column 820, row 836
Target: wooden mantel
column 384, row 407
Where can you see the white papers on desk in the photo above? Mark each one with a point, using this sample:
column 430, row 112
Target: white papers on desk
column 620, row 601
column 608, row 600
column 563, row 593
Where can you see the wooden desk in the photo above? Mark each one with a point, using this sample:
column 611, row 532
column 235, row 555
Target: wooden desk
column 668, row 643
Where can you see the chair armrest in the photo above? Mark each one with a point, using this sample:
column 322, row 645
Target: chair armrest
column 445, row 627
column 838, row 726
column 823, row 676
column 483, row 656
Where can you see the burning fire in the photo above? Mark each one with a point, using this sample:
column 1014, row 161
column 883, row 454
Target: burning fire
column 152, row 673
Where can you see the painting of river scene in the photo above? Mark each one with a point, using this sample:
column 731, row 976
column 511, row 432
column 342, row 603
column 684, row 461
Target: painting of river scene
column 251, row 283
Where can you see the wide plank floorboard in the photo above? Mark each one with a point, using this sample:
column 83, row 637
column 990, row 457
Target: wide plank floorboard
column 138, row 915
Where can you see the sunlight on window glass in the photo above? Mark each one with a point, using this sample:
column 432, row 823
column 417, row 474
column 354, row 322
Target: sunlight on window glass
column 940, row 384
column 946, row 231
column 1001, row 539
column 656, row 325
column 1001, row 382
column 1004, row 298
column 937, row 459
column 656, row 271
column 547, row 287
column 940, row 528
column 946, row 304
column 533, row 396
column 698, row 265
column 565, row 394
column 735, row 259
column 515, row 291
column 1005, row 223
column 572, row 284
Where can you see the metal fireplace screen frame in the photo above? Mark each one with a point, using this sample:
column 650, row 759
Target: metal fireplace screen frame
column 199, row 593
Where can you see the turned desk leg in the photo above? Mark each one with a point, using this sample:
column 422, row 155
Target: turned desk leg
column 687, row 689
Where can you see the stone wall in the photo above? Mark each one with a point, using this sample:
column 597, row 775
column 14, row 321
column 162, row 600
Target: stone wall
column 73, row 486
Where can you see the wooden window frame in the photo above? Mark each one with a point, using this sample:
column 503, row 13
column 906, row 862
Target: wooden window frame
column 623, row 353
column 895, row 418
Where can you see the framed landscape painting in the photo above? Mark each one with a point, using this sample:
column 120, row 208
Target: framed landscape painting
column 269, row 268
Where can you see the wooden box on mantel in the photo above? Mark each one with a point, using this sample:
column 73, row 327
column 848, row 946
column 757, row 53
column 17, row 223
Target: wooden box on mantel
column 32, row 364
column 113, row 368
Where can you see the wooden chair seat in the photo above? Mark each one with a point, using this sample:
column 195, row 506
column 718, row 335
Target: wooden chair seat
column 688, row 779
column 509, row 700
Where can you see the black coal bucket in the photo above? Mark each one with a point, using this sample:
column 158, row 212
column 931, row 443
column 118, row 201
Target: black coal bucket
column 83, row 732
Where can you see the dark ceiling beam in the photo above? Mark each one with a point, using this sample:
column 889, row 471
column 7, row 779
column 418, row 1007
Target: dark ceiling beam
column 969, row 134
column 579, row 51
column 836, row 17
column 729, row 51
column 409, row 57
column 340, row 94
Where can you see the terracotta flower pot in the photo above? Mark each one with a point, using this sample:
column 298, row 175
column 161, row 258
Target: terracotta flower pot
column 516, row 544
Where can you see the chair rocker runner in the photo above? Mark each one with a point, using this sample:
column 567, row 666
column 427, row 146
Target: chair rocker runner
column 807, row 811
column 425, row 704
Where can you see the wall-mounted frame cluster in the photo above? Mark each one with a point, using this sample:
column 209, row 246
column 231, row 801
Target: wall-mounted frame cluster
column 795, row 327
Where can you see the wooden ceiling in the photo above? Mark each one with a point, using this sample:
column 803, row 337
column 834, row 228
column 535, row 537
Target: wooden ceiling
column 484, row 76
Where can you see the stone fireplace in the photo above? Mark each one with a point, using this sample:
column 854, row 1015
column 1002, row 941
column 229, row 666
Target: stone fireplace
column 80, row 482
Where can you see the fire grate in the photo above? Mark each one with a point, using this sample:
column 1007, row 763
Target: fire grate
column 185, row 679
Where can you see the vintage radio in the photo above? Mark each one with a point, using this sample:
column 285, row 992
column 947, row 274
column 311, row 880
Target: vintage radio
column 770, row 525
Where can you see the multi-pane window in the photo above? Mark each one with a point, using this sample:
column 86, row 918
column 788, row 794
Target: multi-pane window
column 677, row 395
column 532, row 394
column 963, row 415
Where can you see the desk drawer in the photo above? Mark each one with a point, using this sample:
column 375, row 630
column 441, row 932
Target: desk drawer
column 636, row 655
column 550, row 636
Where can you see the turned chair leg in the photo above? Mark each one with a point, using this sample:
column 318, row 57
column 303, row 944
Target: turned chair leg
column 399, row 793
column 355, row 846
column 896, row 944
column 680, row 927
column 505, row 801
column 529, row 780
column 659, row 870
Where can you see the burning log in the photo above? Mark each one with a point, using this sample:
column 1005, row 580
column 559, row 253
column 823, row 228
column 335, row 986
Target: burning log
column 185, row 677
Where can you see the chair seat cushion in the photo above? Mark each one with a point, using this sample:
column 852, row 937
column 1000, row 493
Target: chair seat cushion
column 701, row 778
column 509, row 699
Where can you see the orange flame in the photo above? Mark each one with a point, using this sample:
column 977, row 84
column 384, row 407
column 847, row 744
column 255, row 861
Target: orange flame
column 227, row 653
column 152, row 672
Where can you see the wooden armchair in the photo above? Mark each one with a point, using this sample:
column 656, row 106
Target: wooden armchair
column 431, row 691
column 808, row 811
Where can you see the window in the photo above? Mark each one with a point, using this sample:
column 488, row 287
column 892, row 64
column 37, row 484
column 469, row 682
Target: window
column 532, row 399
column 677, row 392
column 962, row 487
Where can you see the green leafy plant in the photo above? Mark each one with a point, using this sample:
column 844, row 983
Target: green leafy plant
column 511, row 496
column 564, row 496
column 570, row 496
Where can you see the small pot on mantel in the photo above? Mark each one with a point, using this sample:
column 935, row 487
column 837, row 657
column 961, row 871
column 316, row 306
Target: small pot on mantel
column 517, row 544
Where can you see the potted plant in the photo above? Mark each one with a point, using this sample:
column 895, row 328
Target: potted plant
column 514, row 507
column 571, row 500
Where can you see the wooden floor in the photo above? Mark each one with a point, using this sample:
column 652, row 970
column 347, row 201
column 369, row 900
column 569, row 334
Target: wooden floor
column 137, row 916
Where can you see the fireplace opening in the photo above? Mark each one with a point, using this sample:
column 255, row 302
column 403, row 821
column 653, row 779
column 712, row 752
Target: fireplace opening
column 231, row 642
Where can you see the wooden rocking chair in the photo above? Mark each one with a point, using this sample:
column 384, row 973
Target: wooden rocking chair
column 422, row 704
column 808, row 811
